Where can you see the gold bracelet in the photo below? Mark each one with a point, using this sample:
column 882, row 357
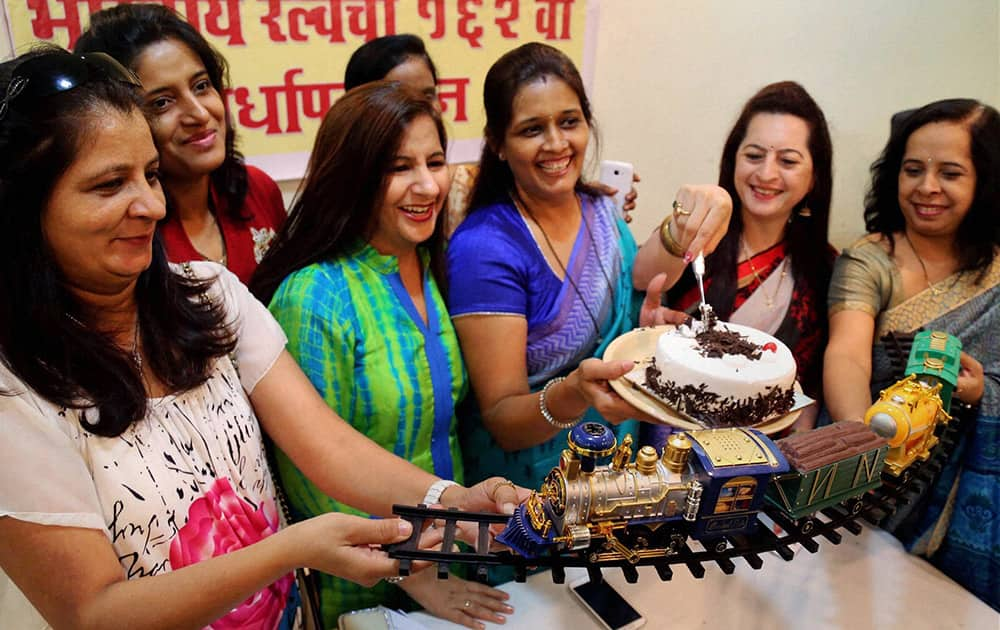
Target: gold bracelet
column 667, row 239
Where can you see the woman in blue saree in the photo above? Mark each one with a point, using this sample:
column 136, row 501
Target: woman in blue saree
column 541, row 275
column 931, row 261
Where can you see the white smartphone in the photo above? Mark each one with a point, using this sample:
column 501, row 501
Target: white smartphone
column 619, row 175
column 606, row 604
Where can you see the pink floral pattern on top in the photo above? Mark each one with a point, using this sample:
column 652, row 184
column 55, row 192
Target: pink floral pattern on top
column 220, row 522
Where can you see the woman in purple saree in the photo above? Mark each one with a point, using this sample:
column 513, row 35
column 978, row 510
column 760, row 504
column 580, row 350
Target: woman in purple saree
column 541, row 275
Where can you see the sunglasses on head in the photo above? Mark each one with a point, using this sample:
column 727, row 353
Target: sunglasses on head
column 57, row 72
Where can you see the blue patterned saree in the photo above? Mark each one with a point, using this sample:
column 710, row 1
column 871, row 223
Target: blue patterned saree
column 496, row 267
column 957, row 528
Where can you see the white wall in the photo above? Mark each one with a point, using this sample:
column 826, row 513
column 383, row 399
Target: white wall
column 671, row 76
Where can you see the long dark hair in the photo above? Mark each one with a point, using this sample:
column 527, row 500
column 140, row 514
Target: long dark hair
column 124, row 32
column 519, row 67
column 336, row 208
column 376, row 58
column 42, row 338
column 806, row 237
column 979, row 233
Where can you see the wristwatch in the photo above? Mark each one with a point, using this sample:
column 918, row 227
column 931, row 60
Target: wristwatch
column 436, row 490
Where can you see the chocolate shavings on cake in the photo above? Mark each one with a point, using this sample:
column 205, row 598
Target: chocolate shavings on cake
column 715, row 342
column 714, row 411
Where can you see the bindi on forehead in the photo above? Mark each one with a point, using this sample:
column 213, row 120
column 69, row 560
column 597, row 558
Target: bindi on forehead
column 772, row 149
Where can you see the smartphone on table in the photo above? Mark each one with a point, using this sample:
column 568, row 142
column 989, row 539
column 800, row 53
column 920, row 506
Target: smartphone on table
column 618, row 175
column 606, row 604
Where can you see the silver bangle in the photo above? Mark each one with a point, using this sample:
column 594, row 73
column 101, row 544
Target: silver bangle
column 548, row 414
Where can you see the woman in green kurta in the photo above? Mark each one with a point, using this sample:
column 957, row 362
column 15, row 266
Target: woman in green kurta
column 352, row 280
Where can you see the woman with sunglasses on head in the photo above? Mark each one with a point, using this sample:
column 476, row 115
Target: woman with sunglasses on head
column 354, row 280
column 135, row 394
column 931, row 261
column 541, row 272
column 218, row 208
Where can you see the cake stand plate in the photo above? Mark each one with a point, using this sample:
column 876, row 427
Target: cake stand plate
column 637, row 345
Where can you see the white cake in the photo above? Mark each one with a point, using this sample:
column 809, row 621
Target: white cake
column 730, row 375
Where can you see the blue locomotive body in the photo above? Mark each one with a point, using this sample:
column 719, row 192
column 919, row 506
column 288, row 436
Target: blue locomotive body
column 706, row 485
column 736, row 466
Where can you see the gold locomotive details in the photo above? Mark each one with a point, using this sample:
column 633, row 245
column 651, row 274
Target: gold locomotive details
column 707, row 485
column 906, row 414
column 643, row 508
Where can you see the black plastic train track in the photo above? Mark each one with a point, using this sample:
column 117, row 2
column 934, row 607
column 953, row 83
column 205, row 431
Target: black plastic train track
column 875, row 506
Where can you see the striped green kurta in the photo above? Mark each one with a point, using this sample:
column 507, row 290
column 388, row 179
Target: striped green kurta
column 353, row 329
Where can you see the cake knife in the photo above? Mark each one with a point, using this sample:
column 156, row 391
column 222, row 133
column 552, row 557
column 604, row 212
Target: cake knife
column 698, row 266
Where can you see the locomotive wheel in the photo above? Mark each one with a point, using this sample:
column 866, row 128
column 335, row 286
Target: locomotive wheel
column 807, row 525
column 856, row 506
column 719, row 545
column 676, row 542
column 638, row 537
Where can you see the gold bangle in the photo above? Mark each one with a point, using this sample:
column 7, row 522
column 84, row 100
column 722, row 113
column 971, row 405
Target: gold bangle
column 667, row 239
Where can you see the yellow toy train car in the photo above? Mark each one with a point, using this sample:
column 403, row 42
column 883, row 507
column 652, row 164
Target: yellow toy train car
column 908, row 412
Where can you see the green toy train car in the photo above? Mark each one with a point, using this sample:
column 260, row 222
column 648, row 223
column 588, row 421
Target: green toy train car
column 837, row 462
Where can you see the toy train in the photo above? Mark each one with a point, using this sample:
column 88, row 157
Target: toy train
column 709, row 485
column 908, row 412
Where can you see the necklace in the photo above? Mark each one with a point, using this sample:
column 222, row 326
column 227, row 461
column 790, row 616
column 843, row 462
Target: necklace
column 134, row 353
column 593, row 245
column 927, row 277
column 213, row 212
column 768, row 299
column 222, row 239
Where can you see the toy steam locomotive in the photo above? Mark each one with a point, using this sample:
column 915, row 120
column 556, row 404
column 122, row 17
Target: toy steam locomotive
column 707, row 485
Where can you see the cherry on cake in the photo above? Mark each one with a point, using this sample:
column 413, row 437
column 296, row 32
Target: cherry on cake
column 723, row 375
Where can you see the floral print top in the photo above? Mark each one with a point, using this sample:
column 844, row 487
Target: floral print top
column 187, row 483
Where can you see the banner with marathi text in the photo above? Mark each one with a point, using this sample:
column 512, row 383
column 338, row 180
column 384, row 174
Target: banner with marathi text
column 287, row 57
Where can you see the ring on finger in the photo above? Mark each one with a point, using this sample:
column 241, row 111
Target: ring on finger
column 395, row 579
column 679, row 209
column 493, row 491
column 467, row 604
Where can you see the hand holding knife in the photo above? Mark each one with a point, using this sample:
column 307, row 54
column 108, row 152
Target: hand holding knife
column 698, row 266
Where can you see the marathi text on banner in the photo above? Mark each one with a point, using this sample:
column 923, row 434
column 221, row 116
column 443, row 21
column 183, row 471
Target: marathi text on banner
column 287, row 56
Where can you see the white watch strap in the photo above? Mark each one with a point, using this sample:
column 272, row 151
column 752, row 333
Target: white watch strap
column 436, row 490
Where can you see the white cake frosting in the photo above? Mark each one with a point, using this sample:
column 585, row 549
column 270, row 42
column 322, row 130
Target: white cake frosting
column 734, row 376
column 732, row 380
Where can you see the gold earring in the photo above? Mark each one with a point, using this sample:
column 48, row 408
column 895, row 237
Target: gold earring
column 804, row 211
